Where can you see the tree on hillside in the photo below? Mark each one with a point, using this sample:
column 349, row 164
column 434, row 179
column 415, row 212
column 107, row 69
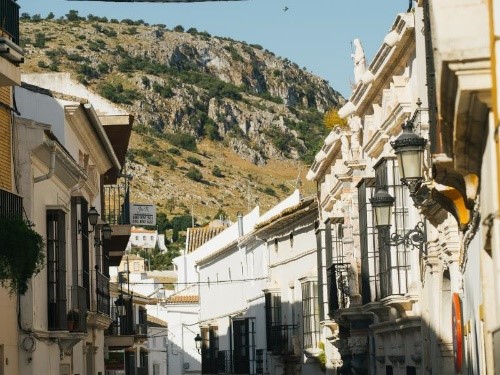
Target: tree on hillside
column 332, row 119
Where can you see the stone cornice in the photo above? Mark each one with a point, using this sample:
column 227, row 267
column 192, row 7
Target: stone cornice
column 84, row 131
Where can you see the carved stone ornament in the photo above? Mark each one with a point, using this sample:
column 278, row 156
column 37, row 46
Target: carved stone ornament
column 358, row 344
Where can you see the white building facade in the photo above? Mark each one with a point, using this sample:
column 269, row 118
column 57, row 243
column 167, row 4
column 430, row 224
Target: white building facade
column 62, row 153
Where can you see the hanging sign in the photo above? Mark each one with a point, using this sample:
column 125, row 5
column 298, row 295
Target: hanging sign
column 142, row 214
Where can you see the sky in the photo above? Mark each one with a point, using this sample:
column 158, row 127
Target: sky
column 315, row 34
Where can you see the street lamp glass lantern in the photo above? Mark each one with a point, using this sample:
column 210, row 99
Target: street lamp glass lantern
column 120, row 306
column 93, row 215
column 382, row 203
column 197, row 341
column 409, row 148
column 106, row 231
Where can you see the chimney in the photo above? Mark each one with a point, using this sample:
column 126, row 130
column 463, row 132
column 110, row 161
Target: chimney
column 240, row 224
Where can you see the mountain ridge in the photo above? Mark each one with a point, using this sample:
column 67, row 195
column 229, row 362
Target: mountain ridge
column 219, row 124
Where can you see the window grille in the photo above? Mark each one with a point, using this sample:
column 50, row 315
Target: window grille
column 370, row 283
column 273, row 315
column 56, row 270
column 310, row 314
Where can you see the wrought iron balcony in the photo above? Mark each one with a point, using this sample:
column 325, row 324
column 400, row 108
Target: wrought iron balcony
column 11, row 205
column 225, row 363
column 338, row 287
column 9, row 10
column 259, row 362
column 77, row 309
column 117, row 203
column 102, row 293
column 122, row 325
column 281, row 339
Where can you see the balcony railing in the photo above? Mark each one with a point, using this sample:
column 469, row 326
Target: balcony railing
column 117, row 203
column 141, row 371
column 9, row 10
column 102, row 293
column 11, row 205
column 225, row 363
column 77, row 309
column 259, row 362
column 122, row 325
column 281, row 339
column 209, row 358
column 338, row 287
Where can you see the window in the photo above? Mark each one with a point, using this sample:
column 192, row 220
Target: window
column 273, row 316
column 337, row 272
column 244, row 347
column 56, row 270
column 144, row 238
column 322, row 254
column 291, row 240
column 310, row 314
column 137, row 238
column 156, row 369
column 152, row 238
column 393, row 260
column 370, row 284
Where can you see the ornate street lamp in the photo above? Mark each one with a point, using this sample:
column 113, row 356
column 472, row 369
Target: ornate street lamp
column 382, row 203
column 93, row 215
column 121, row 308
column 197, row 341
column 409, row 149
column 106, row 231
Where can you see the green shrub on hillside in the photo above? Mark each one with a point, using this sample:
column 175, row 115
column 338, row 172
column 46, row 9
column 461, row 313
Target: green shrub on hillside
column 174, row 151
column 40, row 40
column 194, row 160
column 117, row 94
column 217, row 172
column 182, row 140
column 194, row 174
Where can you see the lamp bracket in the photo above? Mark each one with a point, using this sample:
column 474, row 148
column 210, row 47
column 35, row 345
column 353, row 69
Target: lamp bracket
column 415, row 237
column 413, row 185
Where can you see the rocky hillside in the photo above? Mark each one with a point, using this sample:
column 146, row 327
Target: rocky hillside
column 219, row 124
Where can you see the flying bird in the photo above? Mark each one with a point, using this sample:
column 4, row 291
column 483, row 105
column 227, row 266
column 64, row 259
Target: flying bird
column 285, row 9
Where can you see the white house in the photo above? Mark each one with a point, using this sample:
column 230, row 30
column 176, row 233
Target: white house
column 63, row 155
column 270, row 323
column 157, row 346
column 146, row 239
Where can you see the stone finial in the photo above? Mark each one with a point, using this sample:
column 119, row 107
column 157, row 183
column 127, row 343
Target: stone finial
column 359, row 61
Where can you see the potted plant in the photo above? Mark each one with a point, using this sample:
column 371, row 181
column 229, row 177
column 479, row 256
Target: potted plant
column 73, row 319
column 21, row 254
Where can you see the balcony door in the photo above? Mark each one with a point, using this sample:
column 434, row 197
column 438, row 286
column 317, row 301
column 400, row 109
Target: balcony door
column 242, row 345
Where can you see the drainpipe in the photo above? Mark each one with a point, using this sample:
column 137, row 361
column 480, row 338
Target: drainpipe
column 52, row 167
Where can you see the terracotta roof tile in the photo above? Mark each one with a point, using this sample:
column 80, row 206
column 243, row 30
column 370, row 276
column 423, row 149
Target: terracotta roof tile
column 156, row 321
column 198, row 236
column 182, row 299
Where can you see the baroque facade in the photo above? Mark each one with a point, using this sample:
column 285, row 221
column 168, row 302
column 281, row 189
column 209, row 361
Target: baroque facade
column 411, row 297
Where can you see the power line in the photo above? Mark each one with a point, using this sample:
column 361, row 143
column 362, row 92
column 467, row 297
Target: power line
column 198, row 282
